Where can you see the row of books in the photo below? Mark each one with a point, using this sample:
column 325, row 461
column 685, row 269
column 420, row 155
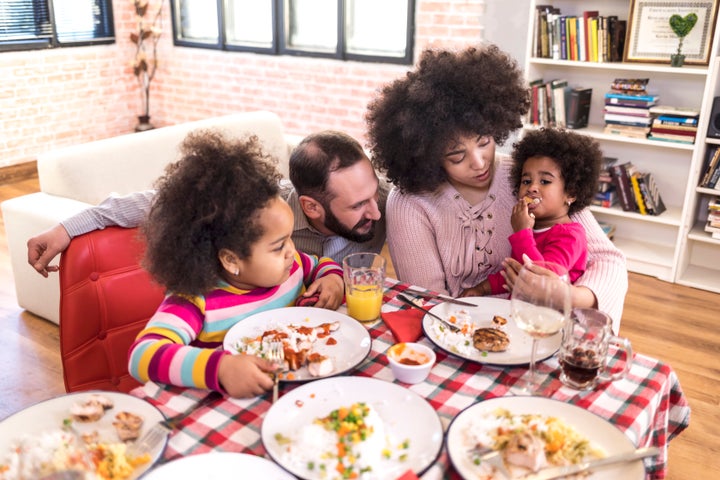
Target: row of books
column 587, row 37
column 556, row 104
column 627, row 107
column 711, row 176
column 607, row 194
column 712, row 225
column 674, row 124
column 637, row 191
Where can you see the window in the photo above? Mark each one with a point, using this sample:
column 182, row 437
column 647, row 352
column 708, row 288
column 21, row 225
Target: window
column 30, row 24
column 371, row 30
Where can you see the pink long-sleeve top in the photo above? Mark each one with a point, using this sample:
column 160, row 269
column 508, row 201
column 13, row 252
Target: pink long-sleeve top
column 439, row 241
column 179, row 345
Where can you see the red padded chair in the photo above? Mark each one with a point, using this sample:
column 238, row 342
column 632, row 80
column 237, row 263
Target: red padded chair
column 106, row 298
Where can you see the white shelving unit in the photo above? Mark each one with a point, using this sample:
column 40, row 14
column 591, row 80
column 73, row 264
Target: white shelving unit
column 673, row 245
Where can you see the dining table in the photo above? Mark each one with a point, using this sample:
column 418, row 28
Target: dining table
column 648, row 405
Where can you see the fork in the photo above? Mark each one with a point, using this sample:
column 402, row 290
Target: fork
column 493, row 457
column 276, row 354
column 406, row 300
column 160, row 430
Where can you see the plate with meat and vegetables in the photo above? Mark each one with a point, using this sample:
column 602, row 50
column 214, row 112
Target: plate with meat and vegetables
column 317, row 342
column 487, row 333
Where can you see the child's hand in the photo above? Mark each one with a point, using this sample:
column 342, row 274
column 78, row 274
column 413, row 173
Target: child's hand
column 331, row 290
column 521, row 217
column 245, row 376
column 480, row 290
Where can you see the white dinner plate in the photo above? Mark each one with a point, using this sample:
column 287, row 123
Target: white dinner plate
column 518, row 352
column 48, row 416
column 219, row 466
column 599, row 431
column 353, row 339
column 404, row 413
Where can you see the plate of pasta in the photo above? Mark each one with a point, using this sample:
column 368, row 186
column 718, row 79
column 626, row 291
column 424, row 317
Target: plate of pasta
column 533, row 433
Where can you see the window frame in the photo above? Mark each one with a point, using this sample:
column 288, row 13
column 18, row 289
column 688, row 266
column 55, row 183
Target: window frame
column 51, row 41
column 280, row 34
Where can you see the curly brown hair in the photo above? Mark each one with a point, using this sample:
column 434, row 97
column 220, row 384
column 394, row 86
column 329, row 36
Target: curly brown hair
column 208, row 200
column 578, row 157
column 477, row 91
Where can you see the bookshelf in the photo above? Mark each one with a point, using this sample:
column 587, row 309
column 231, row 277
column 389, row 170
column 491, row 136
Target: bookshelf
column 672, row 246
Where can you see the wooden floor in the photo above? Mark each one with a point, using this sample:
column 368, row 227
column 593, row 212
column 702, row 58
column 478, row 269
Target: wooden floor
column 676, row 324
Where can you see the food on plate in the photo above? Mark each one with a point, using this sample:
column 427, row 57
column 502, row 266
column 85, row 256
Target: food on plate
column 299, row 346
column 128, row 425
column 35, row 456
column 499, row 321
column 91, row 409
column 349, row 442
column 490, row 340
column 528, row 442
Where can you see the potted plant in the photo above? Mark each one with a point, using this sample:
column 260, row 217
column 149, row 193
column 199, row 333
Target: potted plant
column 145, row 38
column 681, row 26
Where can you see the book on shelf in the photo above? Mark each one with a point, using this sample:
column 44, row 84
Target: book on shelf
column 635, row 111
column 668, row 137
column 712, row 157
column 714, row 180
column 649, row 99
column 560, row 90
column 678, row 121
column 621, row 179
column 626, row 130
column 632, row 120
column 590, row 34
column 578, row 108
column 671, row 111
column 638, row 194
column 659, row 124
column 651, row 194
column 636, row 85
column 673, row 131
column 605, row 199
column 714, row 231
column 616, row 38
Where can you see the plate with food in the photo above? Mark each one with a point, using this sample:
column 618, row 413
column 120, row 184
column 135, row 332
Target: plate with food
column 317, row 342
column 345, row 427
column 533, row 433
column 89, row 431
column 219, row 465
column 487, row 333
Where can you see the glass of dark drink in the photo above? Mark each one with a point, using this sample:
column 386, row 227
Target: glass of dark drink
column 585, row 351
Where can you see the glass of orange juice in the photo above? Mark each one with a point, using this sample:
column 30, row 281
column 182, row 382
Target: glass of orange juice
column 364, row 274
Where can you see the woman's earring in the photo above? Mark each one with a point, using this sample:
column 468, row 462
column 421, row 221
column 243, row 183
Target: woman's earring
column 236, row 272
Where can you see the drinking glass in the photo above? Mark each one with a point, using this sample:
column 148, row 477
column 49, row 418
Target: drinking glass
column 364, row 274
column 540, row 306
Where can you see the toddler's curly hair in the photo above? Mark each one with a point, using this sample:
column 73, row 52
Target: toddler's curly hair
column 208, row 200
column 578, row 157
column 477, row 91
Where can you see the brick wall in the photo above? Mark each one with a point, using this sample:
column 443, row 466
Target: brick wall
column 53, row 98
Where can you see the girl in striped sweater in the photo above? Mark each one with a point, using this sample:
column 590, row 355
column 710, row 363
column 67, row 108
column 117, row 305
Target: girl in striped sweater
column 218, row 238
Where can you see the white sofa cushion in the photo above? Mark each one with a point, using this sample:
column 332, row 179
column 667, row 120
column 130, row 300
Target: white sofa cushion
column 75, row 178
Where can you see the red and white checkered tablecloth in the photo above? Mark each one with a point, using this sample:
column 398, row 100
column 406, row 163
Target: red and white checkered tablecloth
column 648, row 405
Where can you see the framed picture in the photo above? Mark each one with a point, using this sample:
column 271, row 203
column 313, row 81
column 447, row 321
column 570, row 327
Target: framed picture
column 651, row 39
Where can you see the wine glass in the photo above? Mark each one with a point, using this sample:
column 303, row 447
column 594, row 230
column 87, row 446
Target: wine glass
column 540, row 306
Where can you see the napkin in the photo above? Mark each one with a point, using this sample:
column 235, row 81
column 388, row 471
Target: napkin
column 405, row 325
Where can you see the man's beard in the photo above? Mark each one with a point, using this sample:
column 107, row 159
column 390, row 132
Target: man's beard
column 333, row 224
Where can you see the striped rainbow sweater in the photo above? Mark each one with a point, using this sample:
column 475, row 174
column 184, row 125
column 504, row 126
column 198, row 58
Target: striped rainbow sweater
column 179, row 345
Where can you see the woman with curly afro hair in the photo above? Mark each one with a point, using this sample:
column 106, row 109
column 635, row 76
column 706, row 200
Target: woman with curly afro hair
column 433, row 133
column 555, row 174
column 218, row 238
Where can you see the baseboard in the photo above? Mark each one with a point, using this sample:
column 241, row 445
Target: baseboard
column 18, row 172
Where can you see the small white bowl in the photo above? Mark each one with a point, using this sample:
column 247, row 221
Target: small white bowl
column 410, row 362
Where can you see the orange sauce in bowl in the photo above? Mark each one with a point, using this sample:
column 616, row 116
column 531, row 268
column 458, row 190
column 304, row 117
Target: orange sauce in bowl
column 408, row 356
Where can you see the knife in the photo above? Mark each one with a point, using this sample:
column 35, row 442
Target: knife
column 447, row 298
column 557, row 472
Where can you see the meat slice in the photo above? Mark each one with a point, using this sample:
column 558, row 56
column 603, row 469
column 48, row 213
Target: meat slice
column 319, row 365
column 128, row 425
column 490, row 340
column 527, row 451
